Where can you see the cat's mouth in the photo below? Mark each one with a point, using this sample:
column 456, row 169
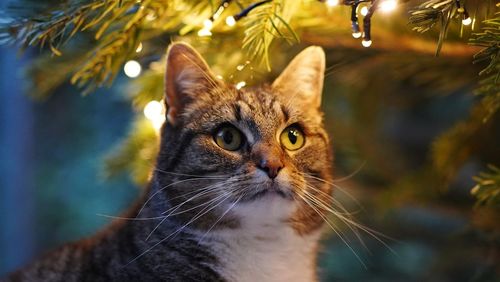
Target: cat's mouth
column 270, row 190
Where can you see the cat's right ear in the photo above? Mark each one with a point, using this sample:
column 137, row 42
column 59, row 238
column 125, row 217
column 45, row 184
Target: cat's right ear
column 187, row 76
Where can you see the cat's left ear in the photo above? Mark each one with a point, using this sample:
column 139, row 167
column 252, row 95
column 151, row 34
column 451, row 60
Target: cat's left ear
column 187, row 78
column 303, row 78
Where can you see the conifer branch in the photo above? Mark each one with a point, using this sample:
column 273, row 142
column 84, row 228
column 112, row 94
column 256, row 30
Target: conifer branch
column 489, row 85
column 487, row 189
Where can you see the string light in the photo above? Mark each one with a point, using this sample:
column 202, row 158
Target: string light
column 332, row 3
column 208, row 24
column 132, row 69
column 139, row 48
column 240, row 85
column 367, row 12
column 363, row 12
column 230, row 21
column 155, row 112
column 466, row 19
column 387, row 6
column 204, row 32
column 357, row 34
column 366, row 43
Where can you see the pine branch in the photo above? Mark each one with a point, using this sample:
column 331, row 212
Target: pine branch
column 57, row 27
column 487, row 189
column 489, row 86
column 264, row 24
column 425, row 16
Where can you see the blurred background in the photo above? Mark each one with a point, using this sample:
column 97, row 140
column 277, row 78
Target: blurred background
column 416, row 136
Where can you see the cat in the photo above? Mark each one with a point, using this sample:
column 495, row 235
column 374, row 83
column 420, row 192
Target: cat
column 240, row 189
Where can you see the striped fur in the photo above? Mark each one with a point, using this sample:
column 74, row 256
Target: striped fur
column 209, row 214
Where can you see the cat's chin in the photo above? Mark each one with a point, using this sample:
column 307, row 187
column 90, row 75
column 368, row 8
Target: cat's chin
column 272, row 191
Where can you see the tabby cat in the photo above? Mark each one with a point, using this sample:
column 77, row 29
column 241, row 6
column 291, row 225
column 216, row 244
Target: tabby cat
column 239, row 190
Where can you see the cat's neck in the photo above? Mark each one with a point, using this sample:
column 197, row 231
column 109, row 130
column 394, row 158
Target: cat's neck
column 264, row 247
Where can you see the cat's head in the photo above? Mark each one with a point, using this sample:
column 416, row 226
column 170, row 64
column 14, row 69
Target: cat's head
column 233, row 156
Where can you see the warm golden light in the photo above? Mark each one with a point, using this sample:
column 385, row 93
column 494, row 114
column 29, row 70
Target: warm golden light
column 467, row 21
column 155, row 112
column 132, row 68
column 388, row 5
column 230, row 21
column 366, row 43
column 332, row 3
column 240, row 85
column 364, row 11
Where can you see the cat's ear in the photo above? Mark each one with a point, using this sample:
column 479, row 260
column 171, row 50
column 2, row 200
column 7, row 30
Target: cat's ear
column 302, row 79
column 187, row 76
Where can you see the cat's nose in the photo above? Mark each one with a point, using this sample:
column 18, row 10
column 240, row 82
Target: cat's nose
column 269, row 159
column 271, row 166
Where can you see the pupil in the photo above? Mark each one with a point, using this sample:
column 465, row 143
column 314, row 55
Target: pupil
column 227, row 137
column 292, row 136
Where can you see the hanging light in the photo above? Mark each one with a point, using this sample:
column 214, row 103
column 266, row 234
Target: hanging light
column 366, row 43
column 332, row 3
column 132, row 68
column 388, row 6
column 155, row 112
column 230, row 21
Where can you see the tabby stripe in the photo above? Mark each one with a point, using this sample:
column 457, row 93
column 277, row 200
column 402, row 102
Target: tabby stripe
column 184, row 142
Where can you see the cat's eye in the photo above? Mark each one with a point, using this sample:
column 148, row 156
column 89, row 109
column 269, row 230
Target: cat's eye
column 292, row 138
column 228, row 138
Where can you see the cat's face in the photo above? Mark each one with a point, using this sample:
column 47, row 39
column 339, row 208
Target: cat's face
column 227, row 154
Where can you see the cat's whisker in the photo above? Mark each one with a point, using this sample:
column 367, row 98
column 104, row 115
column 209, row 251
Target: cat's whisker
column 204, row 191
column 201, row 213
column 220, row 218
column 335, row 230
column 307, row 175
column 162, row 189
column 184, row 211
column 326, row 207
column 349, row 221
column 130, row 218
column 207, row 190
column 175, row 232
column 221, row 176
column 350, row 175
column 331, row 198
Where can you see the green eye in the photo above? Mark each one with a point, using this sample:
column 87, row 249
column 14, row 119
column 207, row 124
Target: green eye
column 292, row 138
column 228, row 138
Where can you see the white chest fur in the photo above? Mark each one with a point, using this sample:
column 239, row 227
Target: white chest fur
column 265, row 248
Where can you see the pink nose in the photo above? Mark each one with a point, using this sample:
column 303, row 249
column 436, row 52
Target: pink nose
column 271, row 166
column 269, row 159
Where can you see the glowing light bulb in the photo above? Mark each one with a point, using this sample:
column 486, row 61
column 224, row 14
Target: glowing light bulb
column 356, row 34
column 388, row 6
column 132, row 68
column 150, row 17
column 240, row 85
column 204, row 32
column 332, row 3
column 139, row 48
column 364, row 11
column 467, row 21
column 152, row 110
column 207, row 24
column 230, row 21
column 366, row 43
column 155, row 112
